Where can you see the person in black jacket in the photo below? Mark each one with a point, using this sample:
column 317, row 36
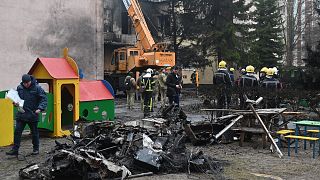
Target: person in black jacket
column 223, row 83
column 35, row 101
column 173, row 86
column 270, row 87
column 248, row 85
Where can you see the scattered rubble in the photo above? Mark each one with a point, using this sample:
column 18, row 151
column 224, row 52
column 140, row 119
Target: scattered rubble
column 104, row 150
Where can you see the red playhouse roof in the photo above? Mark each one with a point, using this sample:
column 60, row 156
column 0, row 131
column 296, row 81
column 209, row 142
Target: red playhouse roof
column 93, row 91
column 58, row 68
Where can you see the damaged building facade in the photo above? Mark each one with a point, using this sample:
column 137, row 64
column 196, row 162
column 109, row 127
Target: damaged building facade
column 119, row 31
column 36, row 28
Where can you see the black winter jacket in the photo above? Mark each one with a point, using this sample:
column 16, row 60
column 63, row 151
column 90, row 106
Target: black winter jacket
column 34, row 98
column 171, row 82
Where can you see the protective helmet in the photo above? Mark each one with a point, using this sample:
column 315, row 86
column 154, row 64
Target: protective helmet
column 250, row 69
column 194, row 70
column 275, row 70
column 243, row 70
column 149, row 70
column 270, row 72
column 231, row 69
column 264, row 69
column 222, row 64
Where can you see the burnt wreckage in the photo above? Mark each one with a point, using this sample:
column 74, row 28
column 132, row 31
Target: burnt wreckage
column 104, row 150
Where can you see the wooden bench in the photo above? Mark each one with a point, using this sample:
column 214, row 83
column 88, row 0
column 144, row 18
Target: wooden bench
column 311, row 139
column 313, row 131
column 283, row 132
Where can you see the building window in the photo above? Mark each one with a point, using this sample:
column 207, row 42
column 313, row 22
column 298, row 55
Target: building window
column 126, row 24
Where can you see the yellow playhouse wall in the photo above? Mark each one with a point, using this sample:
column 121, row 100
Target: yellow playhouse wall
column 7, row 122
column 58, row 132
column 41, row 73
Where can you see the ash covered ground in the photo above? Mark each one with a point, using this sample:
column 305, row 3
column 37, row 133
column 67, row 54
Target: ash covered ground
column 248, row 162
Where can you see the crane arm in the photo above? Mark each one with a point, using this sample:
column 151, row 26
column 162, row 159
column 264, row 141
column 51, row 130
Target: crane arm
column 145, row 38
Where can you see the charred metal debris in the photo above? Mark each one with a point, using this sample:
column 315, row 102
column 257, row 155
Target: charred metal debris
column 103, row 150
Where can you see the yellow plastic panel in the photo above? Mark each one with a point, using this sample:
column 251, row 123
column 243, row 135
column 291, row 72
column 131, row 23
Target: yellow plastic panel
column 7, row 122
column 71, row 61
column 58, row 131
column 41, row 73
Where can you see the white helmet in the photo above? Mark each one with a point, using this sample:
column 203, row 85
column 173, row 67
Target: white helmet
column 275, row 70
column 149, row 70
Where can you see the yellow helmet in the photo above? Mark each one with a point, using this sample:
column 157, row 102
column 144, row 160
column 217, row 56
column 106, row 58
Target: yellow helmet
column 231, row 69
column 264, row 69
column 250, row 69
column 270, row 72
column 222, row 64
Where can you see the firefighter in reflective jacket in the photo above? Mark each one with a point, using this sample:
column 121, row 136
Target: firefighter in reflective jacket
column 248, row 85
column 223, row 82
column 271, row 85
column 148, row 85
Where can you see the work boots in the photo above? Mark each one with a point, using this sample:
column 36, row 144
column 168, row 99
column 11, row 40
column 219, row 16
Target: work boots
column 35, row 152
column 12, row 152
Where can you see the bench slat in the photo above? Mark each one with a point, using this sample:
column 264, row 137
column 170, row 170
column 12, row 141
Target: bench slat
column 302, row 137
column 313, row 131
column 285, row 131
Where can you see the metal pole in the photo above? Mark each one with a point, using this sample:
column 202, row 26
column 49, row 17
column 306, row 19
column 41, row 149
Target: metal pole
column 227, row 127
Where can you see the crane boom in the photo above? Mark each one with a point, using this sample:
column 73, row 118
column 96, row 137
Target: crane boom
column 145, row 54
column 145, row 39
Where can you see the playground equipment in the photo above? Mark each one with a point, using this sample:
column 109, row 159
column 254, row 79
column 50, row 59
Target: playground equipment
column 67, row 96
column 96, row 101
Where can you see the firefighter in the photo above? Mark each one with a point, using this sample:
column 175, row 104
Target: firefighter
column 147, row 84
column 262, row 74
column 271, row 85
column 270, row 82
column 248, row 84
column 223, row 82
column 232, row 74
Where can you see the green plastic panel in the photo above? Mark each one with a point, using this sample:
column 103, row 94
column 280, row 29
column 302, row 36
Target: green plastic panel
column 97, row 110
column 46, row 119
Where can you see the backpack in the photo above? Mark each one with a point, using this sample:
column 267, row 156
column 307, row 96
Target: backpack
column 128, row 84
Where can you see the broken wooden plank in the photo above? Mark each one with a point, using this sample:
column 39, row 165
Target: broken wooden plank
column 264, row 128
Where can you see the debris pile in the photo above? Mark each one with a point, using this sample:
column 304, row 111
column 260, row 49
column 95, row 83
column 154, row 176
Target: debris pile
column 105, row 151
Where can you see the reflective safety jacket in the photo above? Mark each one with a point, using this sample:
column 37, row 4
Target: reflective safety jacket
column 271, row 83
column 248, row 81
column 222, row 77
column 148, row 83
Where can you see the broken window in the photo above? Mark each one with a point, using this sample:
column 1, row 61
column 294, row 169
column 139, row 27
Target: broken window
column 126, row 24
column 164, row 23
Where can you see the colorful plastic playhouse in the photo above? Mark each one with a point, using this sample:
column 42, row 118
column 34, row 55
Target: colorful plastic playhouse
column 62, row 78
column 96, row 100
column 67, row 96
